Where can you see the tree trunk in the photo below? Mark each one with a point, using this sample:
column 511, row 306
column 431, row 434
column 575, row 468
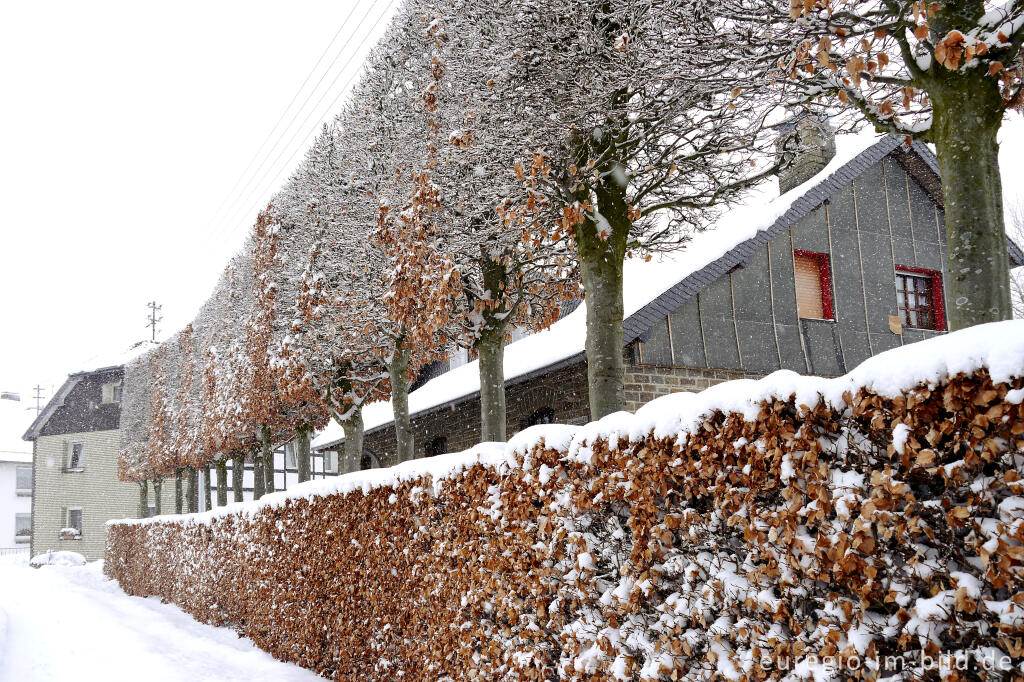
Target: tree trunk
column 257, row 474
column 179, row 502
column 158, row 488
column 238, row 477
column 207, row 490
column 222, row 482
column 267, row 449
column 303, row 434
column 399, row 371
column 965, row 142
column 601, row 242
column 354, row 437
column 143, row 499
column 491, row 349
column 192, row 491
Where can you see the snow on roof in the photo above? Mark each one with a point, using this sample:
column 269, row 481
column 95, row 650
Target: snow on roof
column 94, row 364
column 997, row 347
column 645, row 281
column 15, row 417
column 118, row 359
column 642, row 283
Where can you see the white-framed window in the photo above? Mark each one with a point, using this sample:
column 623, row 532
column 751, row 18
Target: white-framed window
column 76, row 456
column 112, row 392
column 22, row 527
column 331, row 462
column 72, row 524
column 152, row 510
column 289, row 456
column 23, row 482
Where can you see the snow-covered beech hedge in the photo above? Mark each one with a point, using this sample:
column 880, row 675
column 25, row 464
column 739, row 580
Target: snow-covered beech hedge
column 787, row 528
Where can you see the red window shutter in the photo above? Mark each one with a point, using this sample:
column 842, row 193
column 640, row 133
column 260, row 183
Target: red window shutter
column 813, row 285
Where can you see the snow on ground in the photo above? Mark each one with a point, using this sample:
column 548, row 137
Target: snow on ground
column 61, row 623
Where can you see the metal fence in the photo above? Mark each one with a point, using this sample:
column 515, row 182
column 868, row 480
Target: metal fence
column 14, row 551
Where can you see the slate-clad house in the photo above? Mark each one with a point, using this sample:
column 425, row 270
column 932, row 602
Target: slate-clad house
column 847, row 260
column 76, row 439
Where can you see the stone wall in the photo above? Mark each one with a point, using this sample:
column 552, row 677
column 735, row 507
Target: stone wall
column 563, row 391
column 644, row 383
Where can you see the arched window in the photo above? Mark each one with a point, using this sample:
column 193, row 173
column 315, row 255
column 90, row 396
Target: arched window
column 365, row 463
column 436, row 447
column 544, row 415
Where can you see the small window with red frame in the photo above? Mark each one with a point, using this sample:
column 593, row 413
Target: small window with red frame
column 813, row 285
column 919, row 298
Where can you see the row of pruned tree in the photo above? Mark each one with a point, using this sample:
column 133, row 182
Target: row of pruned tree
column 497, row 158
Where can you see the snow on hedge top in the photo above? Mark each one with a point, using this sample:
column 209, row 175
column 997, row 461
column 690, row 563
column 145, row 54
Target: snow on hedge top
column 997, row 347
column 642, row 283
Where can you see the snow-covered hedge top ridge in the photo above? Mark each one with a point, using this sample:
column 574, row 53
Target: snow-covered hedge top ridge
column 997, row 348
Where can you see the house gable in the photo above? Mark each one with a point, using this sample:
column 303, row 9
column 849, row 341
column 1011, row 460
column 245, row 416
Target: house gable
column 878, row 213
column 79, row 407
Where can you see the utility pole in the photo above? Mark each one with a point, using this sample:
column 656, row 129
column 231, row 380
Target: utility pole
column 39, row 398
column 153, row 319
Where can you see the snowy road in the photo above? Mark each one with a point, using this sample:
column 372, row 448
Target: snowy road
column 73, row 624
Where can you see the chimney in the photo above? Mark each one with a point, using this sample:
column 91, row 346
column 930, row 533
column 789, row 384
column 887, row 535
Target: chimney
column 806, row 143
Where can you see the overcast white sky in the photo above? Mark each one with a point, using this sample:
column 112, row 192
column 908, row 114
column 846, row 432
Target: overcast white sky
column 125, row 128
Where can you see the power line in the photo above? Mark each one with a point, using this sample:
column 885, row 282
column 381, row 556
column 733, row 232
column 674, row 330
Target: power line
column 253, row 200
column 284, row 112
column 229, row 226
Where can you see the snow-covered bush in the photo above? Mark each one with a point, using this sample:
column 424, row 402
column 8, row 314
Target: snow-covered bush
column 57, row 559
column 864, row 527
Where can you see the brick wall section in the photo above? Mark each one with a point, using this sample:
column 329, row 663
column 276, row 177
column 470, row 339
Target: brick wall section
column 95, row 489
column 644, row 383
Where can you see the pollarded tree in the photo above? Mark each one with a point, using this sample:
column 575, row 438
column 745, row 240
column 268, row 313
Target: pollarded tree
column 227, row 376
column 420, row 279
column 324, row 368
column 508, row 279
column 161, row 453
column 189, row 451
column 260, row 403
column 391, row 278
column 625, row 147
column 135, row 426
column 944, row 72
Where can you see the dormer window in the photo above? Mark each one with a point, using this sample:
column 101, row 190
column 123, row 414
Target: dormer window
column 112, row 392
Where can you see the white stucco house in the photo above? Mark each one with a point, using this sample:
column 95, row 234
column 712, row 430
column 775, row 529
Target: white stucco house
column 15, row 474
